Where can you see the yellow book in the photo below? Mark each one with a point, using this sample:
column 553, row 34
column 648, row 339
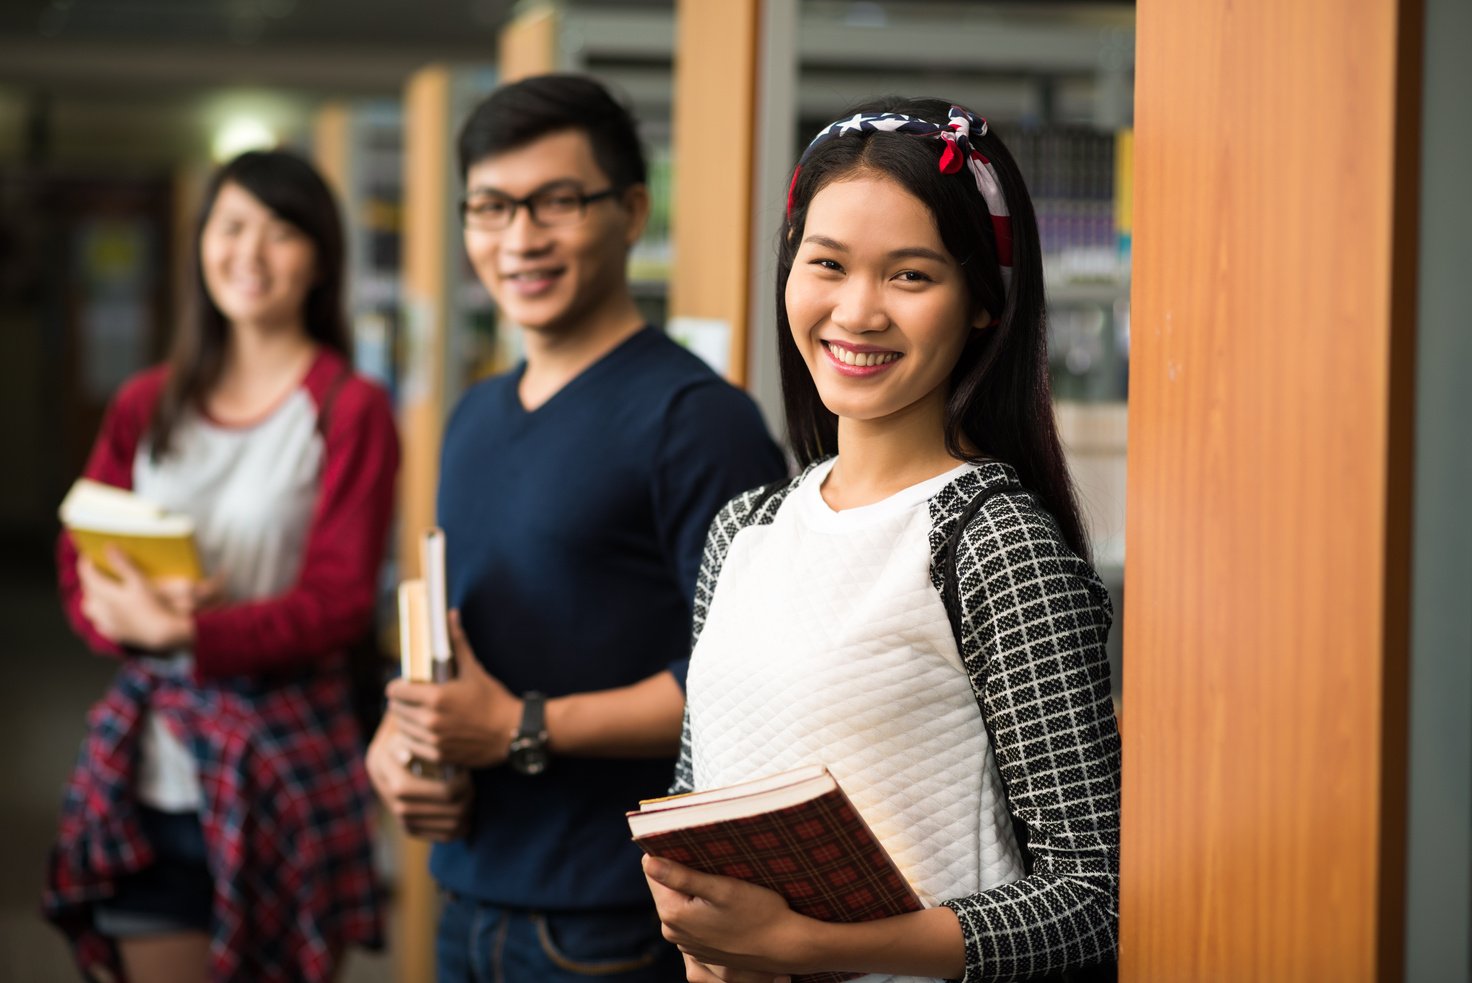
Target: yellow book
column 160, row 543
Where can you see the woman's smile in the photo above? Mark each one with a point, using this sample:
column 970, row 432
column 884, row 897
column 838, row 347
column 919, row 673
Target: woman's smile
column 859, row 361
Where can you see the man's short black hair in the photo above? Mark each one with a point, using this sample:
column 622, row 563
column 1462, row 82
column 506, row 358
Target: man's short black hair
column 518, row 113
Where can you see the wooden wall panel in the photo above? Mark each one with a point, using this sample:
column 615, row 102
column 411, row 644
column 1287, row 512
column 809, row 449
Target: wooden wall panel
column 427, row 141
column 427, row 194
column 331, row 149
column 715, row 94
column 528, row 44
column 1265, row 632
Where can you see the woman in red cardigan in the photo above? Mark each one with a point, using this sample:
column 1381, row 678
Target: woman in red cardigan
column 217, row 825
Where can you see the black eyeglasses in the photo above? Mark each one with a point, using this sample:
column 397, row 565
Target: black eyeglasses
column 548, row 208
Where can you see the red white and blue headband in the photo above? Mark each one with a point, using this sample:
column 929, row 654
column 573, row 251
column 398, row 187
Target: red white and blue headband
column 956, row 134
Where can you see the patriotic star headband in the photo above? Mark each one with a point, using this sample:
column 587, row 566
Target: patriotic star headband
column 956, row 134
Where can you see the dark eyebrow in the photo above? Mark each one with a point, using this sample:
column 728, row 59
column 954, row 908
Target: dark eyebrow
column 919, row 252
column 908, row 252
column 557, row 184
column 826, row 242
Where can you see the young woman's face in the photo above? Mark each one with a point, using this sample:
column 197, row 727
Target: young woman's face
column 877, row 306
column 258, row 267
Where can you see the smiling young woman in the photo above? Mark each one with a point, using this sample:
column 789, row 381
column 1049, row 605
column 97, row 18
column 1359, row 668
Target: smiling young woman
column 223, row 775
column 916, row 609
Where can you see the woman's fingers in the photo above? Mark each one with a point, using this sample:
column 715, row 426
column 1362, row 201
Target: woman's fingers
column 127, row 572
column 684, row 880
column 699, row 972
column 178, row 593
column 209, row 592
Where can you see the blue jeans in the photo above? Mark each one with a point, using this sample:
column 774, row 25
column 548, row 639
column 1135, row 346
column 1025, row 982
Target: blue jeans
column 481, row 943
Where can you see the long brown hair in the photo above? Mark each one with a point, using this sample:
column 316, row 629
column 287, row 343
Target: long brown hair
column 1000, row 400
column 296, row 193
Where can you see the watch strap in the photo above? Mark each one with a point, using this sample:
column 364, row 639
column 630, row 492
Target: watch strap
column 533, row 716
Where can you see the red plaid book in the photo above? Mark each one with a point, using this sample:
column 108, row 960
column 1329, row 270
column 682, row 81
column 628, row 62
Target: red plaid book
column 796, row 833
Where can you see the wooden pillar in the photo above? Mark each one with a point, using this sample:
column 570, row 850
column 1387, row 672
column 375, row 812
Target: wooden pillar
column 1266, row 626
column 331, row 150
column 716, row 63
column 429, row 225
column 529, row 43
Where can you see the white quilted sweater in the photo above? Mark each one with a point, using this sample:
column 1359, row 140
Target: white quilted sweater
column 852, row 664
column 822, row 637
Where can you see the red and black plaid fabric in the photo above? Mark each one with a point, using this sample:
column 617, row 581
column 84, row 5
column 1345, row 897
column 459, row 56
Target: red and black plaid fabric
column 820, row 855
column 285, row 796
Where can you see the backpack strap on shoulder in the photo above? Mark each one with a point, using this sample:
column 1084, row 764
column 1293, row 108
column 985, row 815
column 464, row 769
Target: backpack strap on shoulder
column 951, row 592
column 329, row 398
column 369, row 666
column 951, row 597
column 764, row 495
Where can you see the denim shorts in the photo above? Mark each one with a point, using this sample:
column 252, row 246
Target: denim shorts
column 482, row 943
column 173, row 894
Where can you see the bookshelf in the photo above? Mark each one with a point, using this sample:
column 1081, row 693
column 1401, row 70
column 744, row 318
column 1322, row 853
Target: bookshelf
column 359, row 148
column 1056, row 83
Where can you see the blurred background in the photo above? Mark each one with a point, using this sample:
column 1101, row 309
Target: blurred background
column 113, row 112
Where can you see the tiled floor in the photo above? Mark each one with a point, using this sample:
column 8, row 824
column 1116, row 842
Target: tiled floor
column 47, row 682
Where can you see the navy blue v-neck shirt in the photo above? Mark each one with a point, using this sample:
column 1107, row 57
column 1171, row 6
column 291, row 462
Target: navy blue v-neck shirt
column 574, row 535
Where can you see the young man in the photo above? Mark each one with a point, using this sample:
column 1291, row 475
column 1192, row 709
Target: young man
column 575, row 494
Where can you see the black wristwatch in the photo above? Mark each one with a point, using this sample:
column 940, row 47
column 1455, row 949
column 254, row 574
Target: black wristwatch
column 529, row 746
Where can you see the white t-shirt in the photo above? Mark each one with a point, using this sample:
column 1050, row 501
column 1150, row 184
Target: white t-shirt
column 251, row 491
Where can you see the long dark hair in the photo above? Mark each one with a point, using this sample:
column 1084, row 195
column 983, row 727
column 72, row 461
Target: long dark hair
column 1000, row 405
column 291, row 188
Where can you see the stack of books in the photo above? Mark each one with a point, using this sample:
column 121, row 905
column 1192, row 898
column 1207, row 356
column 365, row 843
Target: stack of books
column 424, row 630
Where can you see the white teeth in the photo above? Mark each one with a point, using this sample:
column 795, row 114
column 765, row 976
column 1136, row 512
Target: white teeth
column 862, row 360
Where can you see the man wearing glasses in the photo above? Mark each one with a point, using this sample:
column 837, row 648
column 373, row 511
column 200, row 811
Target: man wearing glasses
column 575, row 493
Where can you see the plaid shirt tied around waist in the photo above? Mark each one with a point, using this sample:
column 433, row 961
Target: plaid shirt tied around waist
column 286, row 816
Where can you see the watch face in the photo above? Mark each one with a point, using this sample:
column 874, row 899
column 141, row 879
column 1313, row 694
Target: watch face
column 528, row 756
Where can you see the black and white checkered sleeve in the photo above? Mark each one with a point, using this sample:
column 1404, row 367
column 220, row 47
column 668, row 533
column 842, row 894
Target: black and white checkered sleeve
column 1034, row 621
column 734, row 516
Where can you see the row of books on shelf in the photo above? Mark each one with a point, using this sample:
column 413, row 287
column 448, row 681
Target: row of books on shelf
column 1065, row 162
column 1068, row 223
column 796, row 832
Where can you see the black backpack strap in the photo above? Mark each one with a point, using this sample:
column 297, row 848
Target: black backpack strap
column 330, row 397
column 764, row 495
column 951, row 598
column 951, row 591
column 369, row 665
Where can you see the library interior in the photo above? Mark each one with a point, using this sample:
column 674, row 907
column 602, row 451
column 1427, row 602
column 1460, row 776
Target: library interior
column 1252, row 218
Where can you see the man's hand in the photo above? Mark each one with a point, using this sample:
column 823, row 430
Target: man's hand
column 469, row 720
column 129, row 610
column 427, row 808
